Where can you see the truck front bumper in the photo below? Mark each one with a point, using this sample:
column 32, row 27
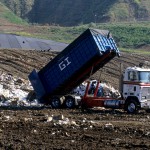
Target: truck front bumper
column 145, row 104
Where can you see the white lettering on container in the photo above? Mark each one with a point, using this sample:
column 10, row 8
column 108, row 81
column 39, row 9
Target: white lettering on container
column 64, row 64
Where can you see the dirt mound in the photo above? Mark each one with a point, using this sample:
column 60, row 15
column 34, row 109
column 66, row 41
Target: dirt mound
column 22, row 62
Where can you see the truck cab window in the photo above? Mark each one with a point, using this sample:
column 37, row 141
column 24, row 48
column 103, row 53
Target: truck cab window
column 132, row 76
column 144, row 76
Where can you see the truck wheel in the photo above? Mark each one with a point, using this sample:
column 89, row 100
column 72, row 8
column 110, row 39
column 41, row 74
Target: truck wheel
column 69, row 102
column 147, row 110
column 55, row 102
column 132, row 107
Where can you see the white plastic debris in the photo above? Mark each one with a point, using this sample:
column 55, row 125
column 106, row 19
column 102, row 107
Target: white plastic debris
column 53, row 133
column 109, row 126
column 28, row 119
column 85, row 128
column 60, row 120
column 49, row 119
column 6, row 118
column 104, row 89
column 147, row 133
column 14, row 91
column 84, row 120
column 91, row 127
column 1, row 88
column 35, row 131
column 67, row 134
column 73, row 123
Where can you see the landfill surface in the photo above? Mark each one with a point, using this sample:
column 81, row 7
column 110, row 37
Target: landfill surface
column 12, row 41
column 26, row 124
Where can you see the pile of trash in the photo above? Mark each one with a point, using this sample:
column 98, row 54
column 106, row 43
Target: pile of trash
column 104, row 90
column 14, row 91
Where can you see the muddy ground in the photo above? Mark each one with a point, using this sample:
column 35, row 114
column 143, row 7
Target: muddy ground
column 97, row 129
column 31, row 128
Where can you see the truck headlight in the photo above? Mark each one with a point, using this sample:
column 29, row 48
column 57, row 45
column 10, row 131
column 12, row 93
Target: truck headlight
column 143, row 97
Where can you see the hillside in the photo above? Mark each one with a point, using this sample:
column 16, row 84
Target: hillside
column 70, row 13
column 127, row 35
column 7, row 17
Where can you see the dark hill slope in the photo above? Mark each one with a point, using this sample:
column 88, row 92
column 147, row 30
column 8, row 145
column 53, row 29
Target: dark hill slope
column 70, row 12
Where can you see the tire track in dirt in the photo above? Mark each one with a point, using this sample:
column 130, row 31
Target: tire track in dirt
column 21, row 62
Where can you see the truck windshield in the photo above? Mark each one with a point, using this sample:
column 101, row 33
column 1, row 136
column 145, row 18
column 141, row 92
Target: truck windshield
column 144, row 76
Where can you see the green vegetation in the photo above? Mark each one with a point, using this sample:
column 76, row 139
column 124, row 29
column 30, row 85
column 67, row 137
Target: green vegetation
column 137, row 1
column 73, row 13
column 137, row 51
column 130, row 35
column 126, row 35
column 19, row 7
column 13, row 18
column 9, row 16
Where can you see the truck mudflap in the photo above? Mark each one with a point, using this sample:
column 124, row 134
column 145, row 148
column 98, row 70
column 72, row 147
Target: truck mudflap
column 37, row 85
column 145, row 104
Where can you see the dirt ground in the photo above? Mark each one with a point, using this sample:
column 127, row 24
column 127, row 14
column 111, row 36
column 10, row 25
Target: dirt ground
column 30, row 128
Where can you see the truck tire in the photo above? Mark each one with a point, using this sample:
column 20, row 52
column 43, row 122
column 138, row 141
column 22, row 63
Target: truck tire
column 56, row 102
column 147, row 110
column 132, row 107
column 69, row 102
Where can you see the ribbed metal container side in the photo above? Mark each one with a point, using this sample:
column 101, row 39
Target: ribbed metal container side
column 74, row 61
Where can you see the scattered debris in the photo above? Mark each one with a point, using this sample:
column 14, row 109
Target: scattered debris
column 104, row 90
column 109, row 126
column 15, row 91
column 147, row 134
column 61, row 120
column 49, row 119
column 28, row 119
column 6, row 118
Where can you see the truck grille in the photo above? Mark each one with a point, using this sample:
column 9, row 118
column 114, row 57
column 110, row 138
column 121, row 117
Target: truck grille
column 146, row 92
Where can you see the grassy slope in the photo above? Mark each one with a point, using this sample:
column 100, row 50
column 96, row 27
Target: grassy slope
column 7, row 16
column 128, row 36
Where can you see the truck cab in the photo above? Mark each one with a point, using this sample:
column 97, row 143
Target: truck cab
column 136, row 89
